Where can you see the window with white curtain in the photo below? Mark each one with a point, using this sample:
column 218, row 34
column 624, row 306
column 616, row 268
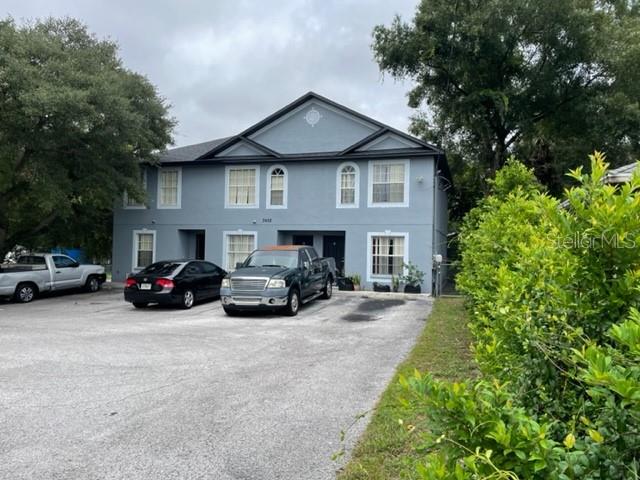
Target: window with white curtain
column 169, row 188
column 277, row 187
column 388, row 183
column 387, row 255
column 242, row 186
column 238, row 247
column 143, row 249
column 348, row 185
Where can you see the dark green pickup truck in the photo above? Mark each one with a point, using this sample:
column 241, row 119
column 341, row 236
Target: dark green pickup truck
column 278, row 278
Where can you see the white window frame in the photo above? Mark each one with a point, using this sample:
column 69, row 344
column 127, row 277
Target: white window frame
column 407, row 176
column 384, row 278
column 225, row 245
column 285, row 193
column 228, row 169
column 125, row 196
column 134, row 249
column 339, row 203
column 178, row 205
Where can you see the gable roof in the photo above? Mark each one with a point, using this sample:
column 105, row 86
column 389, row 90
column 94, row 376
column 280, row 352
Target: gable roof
column 208, row 152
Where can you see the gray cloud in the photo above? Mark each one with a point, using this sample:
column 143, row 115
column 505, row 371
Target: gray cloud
column 225, row 65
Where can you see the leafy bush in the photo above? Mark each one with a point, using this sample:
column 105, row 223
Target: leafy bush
column 553, row 291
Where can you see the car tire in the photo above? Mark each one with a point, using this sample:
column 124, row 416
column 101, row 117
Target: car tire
column 140, row 304
column 327, row 291
column 188, row 299
column 293, row 303
column 25, row 292
column 230, row 311
column 92, row 285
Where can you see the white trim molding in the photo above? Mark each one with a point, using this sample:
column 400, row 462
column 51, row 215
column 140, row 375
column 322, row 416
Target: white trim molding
column 384, row 278
column 285, row 192
column 159, row 203
column 225, row 235
column 227, row 169
column 138, row 206
column 407, row 176
column 134, row 249
column 356, row 203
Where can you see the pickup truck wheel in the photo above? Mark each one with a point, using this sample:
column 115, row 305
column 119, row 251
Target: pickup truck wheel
column 140, row 304
column 25, row 292
column 188, row 299
column 93, row 284
column 293, row 305
column 327, row 291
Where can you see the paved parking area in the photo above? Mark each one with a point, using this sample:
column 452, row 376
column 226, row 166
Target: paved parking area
column 91, row 388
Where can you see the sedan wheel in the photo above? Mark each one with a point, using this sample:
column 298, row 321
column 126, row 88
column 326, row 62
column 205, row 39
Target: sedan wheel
column 188, row 299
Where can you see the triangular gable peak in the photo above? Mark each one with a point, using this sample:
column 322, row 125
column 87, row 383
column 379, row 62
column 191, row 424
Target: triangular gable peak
column 313, row 124
column 313, row 127
column 388, row 141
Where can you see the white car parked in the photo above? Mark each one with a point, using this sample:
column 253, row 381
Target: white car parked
column 43, row 272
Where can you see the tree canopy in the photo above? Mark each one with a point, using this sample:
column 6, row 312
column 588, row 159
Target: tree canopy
column 546, row 80
column 75, row 125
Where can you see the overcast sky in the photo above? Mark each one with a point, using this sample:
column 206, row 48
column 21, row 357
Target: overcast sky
column 224, row 65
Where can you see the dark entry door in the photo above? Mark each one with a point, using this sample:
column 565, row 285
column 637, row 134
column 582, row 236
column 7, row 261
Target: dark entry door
column 333, row 246
column 200, row 246
column 303, row 240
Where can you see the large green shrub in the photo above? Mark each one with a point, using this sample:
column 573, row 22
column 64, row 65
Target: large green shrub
column 553, row 289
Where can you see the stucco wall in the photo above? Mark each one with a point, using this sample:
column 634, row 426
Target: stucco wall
column 311, row 207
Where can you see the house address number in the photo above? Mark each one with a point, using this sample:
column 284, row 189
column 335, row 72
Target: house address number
column 266, row 220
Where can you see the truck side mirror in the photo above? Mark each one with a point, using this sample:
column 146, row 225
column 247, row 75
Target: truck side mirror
column 306, row 265
column 239, row 265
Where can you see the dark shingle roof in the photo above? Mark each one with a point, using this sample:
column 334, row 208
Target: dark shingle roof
column 190, row 152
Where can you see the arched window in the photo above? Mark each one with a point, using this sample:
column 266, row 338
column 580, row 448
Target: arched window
column 348, row 186
column 277, row 188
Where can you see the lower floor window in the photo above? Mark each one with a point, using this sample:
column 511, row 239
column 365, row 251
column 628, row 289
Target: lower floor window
column 387, row 255
column 143, row 249
column 239, row 246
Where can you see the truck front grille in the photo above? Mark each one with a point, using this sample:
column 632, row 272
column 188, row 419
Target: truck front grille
column 248, row 284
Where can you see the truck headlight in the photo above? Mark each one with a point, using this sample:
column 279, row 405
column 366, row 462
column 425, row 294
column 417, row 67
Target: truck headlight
column 276, row 283
column 225, row 283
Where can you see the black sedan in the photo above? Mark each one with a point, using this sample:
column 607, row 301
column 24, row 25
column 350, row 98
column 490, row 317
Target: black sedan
column 174, row 282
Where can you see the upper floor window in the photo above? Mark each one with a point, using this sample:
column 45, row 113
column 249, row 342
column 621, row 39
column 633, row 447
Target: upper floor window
column 389, row 183
column 348, row 186
column 242, row 187
column 277, row 187
column 169, row 187
column 130, row 202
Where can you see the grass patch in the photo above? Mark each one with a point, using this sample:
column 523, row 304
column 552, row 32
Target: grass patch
column 385, row 450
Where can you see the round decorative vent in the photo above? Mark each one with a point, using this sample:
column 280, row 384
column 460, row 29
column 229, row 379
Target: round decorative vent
column 312, row 117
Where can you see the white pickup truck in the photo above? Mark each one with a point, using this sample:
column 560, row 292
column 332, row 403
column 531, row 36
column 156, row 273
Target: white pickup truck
column 43, row 272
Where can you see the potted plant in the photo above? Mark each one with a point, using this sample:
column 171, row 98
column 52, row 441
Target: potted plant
column 355, row 279
column 412, row 279
column 395, row 283
column 345, row 283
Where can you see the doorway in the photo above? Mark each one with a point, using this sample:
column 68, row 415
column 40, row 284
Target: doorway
column 333, row 246
column 200, row 246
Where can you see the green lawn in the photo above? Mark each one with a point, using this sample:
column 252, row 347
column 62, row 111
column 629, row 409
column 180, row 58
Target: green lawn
column 385, row 450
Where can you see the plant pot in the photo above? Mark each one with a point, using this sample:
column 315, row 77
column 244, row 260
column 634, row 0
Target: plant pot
column 380, row 287
column 412, row 289
column 344, row 283
column 356, row 287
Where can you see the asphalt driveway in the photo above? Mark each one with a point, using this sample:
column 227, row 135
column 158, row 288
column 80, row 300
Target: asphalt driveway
column 91, row 388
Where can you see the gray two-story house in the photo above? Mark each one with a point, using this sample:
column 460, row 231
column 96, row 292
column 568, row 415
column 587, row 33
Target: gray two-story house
column 314, row 173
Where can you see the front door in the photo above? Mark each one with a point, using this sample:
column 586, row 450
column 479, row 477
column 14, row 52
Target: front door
column 200, row 246
column 303, row 240
column 333, row 246
column 66, row 273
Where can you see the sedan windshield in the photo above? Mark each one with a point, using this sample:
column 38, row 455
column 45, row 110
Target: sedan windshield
column 285, row 258
column 161, row 268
